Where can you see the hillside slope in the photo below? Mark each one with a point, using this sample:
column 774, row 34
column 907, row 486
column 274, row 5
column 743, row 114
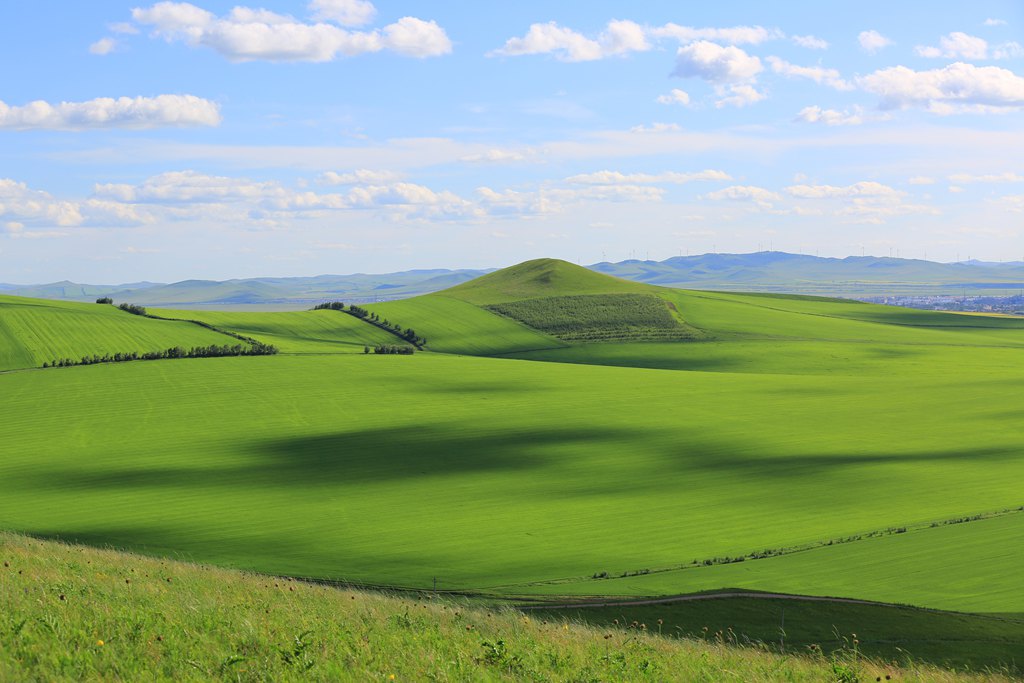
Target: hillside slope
column 69, row 613
column 37, row 331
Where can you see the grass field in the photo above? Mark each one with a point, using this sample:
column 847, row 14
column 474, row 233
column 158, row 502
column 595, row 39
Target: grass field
column 482, row 472
column 790, row 424
column 454, row 326
column 321, row 331
column 37, row 331
column 75, row 614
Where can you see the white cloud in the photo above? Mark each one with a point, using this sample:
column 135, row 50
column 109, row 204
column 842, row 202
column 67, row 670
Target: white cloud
column 862, row 189
column 872, row 41
column 738, row 96
column 105, row 112
column 1008, row 177
column 671, row 177
column 360, row 176
column 344, row 12
column 921, row 180
column 103, row 46
column 40, row 209
column 736, row 35
column 123, row 27
column 675, row 96
column 715, row 63
column 810, row 42
column 956, row 45
column 1010, row 50
column 955, row 189
column 189, row 187
column 995, row 22
column 820, row 75
column 830, row 117
column 957, row 88
column 416, row 38
column 618, row 38
column 246, row 34
column 493, row 156
column 760, row 196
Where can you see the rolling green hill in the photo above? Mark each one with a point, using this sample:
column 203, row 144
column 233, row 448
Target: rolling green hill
column 795, row 433
column 37, row 331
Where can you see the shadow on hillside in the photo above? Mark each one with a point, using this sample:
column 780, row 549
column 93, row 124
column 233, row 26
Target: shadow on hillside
column 362, row 456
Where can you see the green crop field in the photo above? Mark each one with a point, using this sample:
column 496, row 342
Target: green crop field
column 599, row 317
column 37, row 331
column 803, row 432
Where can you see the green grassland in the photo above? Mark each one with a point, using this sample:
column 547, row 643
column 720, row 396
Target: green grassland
column 946, row 567
column 787, row 423
column 37, row 331
column 321, row 331
column 69, row 613
column 490, row 473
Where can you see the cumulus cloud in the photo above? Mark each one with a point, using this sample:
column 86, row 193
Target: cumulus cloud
column 246, row 34
column 675, row 96
column 738, row 96
column 862, row 189
column 748, row 193
column 872, row 41
column 995, row 22
column 956, row 45
column 820, row 75
column 618, row 38
column 37, row 208
column 830, row 117
column 123, row 27
column 105, row 112
column 714, row 63
column 362, row 175
column 103, row 46
column 810, row 42
column 921, row 180
column 736, row 35
column 669, row 177
column 956, row 88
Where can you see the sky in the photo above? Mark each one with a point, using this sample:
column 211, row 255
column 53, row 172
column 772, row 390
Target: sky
column 166, row 141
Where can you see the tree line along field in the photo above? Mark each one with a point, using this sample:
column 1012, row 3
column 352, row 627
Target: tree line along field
column 791, row 423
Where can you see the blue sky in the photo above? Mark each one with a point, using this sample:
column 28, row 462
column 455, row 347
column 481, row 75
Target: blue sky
column 168, row 140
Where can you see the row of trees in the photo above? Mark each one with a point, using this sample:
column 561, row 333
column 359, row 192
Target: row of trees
column 134, row 309
column 391, row 349
column 211, row 351
column 408, row 334
column 104, row 300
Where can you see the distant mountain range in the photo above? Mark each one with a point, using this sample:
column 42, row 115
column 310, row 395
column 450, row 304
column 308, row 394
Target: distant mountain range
column 767, row 271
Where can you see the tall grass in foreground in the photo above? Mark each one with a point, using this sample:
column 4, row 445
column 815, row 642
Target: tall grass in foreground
column 75, row 613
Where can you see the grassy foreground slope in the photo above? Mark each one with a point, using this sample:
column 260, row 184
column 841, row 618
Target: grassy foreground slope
column 322, row 331
column 491, row 473
column 37, row 331
column 69, row 613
